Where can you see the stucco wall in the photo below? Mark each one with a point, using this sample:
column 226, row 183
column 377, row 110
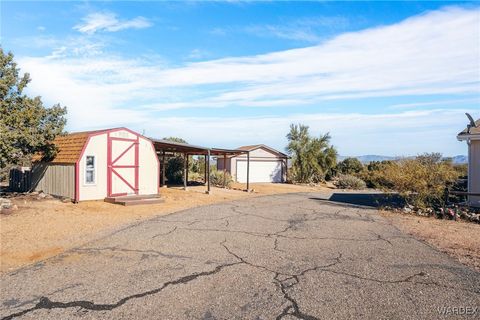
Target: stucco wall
column 474, row 171
column 96, row 146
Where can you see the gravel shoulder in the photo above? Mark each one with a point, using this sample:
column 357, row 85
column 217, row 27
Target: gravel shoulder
column 459, row 239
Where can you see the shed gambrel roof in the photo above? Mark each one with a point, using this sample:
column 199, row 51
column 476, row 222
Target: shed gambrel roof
column 69, row 147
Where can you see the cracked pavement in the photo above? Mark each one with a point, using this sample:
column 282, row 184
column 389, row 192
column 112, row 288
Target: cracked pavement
column 291, row 256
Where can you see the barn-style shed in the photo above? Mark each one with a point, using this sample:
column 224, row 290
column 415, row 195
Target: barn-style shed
column 95, row 165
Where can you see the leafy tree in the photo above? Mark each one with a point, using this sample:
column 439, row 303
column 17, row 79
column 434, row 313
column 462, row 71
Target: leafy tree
column 312, row 157
column 350, row 166
column 26, row 126
column 174, row 166
column 175, row 139
column 174, row 170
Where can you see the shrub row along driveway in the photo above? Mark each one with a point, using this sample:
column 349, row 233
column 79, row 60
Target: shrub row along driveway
column 285, row 256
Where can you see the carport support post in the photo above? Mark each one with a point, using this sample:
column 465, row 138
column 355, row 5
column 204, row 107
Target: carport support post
column 188, row 159
column 208, row 172
column 205, row 171
column 248, row 171
column 164, row 166
column 184, row 171
column 224, row 169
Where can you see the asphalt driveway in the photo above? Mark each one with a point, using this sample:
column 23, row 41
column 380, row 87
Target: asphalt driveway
column 275, row 257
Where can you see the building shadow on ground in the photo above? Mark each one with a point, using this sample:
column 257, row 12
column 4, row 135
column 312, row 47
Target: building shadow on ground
column 376, row 200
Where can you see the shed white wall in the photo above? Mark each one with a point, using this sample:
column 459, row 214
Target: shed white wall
column 96, row 146
column 474, row 171
column 149, row 174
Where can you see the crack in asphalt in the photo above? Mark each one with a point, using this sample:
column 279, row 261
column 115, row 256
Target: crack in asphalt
column 279, row 234
column 406, row 279
column 164, row 234
column 293, row 309
column 275, row 246
column 191, row 222
column 15, row 303
column 283, row 281
column 154, row 253
column 46, row 303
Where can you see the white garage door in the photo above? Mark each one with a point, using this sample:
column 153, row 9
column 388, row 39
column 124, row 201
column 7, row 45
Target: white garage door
column 260, row 171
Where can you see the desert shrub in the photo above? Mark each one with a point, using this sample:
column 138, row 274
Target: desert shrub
column 346, row 181
column 195, row 176
column 421, row 181
column 350, row 166
column 216, row 179
column 196, row 164
column 174, row 170
column 373, row 175
column 461, row 169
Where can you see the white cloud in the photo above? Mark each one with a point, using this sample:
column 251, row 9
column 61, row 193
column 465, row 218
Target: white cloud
column 108, row 21
column 197, row 54
column 306, row 29
column 428, row 53
column 404, row 133
column 414, row 105
column 434, row 53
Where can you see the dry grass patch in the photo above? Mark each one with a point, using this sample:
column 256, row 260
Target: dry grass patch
column 456, row 238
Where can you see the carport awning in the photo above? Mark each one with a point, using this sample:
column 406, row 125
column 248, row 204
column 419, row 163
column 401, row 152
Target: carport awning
column 162, row 145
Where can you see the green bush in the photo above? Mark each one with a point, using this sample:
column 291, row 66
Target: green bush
column 174, row 170
column 216, row 179
column 420, row 181
column 346, row 181
column 349, row 166
column 373, row 175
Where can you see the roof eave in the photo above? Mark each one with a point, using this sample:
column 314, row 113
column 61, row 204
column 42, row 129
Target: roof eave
column 464, row 137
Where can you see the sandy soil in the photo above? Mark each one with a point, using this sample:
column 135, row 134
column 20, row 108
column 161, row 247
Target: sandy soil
column 458, row 239
column 40, row 229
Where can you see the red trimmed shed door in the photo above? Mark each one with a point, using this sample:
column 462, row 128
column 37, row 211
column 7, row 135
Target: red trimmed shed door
column 122, row 162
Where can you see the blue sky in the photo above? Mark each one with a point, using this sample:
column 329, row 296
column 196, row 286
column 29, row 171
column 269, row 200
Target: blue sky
column 392, row 78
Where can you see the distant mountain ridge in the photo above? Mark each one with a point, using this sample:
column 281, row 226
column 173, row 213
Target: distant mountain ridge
column 459, row 159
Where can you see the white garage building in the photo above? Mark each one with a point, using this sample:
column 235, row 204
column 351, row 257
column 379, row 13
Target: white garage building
column 266, row 164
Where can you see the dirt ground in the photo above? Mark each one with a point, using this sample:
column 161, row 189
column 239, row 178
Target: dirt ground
column 40, row 229
column 456, row 238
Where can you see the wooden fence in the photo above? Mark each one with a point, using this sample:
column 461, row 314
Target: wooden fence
column 20, row 179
